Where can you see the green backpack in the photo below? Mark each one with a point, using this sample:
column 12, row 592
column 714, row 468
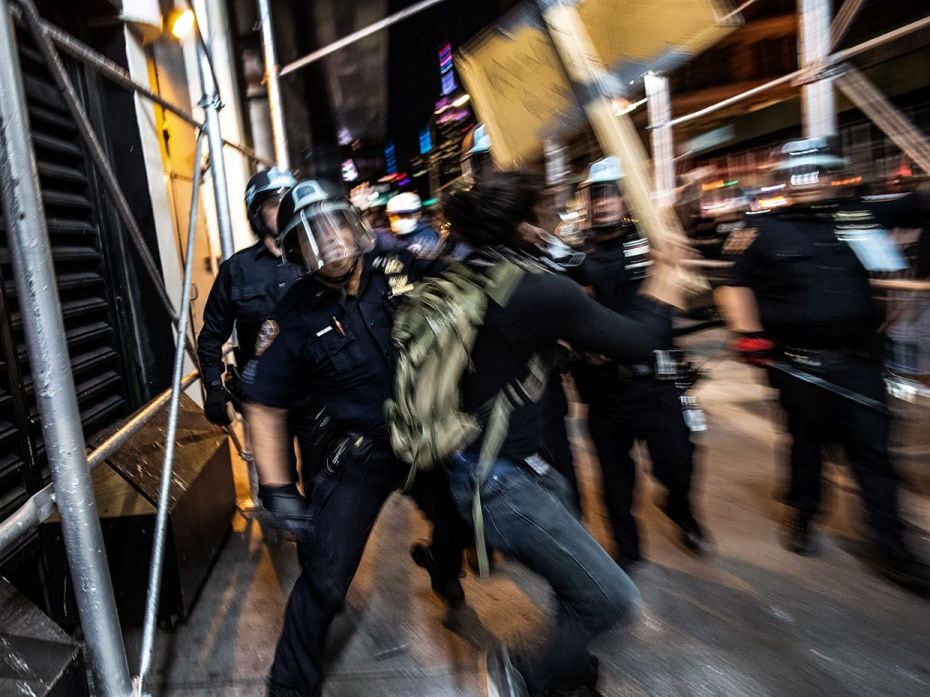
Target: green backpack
column 434, row 333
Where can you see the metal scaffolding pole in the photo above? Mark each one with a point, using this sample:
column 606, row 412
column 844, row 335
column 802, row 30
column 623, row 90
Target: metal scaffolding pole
column 54, row 385
column 839, row 57
column 895, row 125
column 211, row 104
column 659, row 106
column 814, row 42
column 358, row 35
column 164, row 496
column 278, row 133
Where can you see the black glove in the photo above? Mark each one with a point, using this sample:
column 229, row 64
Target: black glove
column 214, row 407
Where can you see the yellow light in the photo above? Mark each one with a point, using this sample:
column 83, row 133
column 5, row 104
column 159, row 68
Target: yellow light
column 461, row 101
column 182, row 23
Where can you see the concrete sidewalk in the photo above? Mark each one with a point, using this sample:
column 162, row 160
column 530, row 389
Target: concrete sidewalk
column 750, row 620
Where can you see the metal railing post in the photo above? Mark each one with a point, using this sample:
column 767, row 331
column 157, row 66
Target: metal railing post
column 211, row 107
column 659, row 106
column 814, row 43
column 278, row 134
column 164, row 496
column 54, row 385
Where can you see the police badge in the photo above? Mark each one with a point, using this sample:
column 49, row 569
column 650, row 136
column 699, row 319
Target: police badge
column 266, row 335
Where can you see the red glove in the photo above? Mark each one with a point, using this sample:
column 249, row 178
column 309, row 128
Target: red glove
column 754, row 349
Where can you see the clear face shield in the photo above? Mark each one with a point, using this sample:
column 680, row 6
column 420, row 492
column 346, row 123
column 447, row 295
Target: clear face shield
column 325, row 238
column 603, row 205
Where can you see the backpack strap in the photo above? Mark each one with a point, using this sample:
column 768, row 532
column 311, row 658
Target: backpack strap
column 517, row 393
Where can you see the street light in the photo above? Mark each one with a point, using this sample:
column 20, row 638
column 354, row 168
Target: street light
column 181, row 23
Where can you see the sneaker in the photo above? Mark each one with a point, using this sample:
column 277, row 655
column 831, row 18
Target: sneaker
column 447, row 588
column 801, row 538
column 501, row 678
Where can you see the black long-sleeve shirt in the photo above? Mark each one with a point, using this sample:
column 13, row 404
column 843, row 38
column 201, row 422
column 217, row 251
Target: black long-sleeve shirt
column 247, row 287
column 543, row 309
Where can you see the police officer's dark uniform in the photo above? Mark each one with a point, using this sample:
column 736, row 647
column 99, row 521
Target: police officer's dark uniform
column 815, row 306
column 337, row 348
column 627, row 403
column 247, row 287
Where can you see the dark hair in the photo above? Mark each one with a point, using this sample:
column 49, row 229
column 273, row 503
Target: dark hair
column 490, row 212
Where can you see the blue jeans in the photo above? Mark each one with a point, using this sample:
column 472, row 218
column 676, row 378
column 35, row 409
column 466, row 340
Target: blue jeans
column 526, row 517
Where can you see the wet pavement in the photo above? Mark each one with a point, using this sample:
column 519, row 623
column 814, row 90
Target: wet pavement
column 751, row 619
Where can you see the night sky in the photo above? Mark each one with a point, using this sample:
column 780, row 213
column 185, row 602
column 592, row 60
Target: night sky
column 413, row 70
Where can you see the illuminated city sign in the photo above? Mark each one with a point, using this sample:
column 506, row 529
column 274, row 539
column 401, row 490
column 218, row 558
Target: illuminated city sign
column 447, row 75
column 426, row 141
column 390, row 158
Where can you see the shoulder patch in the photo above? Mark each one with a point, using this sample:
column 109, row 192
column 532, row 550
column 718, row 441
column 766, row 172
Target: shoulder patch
column 738, row 240
column 267, row 333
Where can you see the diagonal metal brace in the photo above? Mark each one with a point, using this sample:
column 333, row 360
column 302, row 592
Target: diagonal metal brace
column 842, row 21
column 883, row 113
column 57, row 68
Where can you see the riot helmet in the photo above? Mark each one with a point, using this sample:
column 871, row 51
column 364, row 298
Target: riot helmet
column 403, row 212
column 601, row 199
column 263, row 194
column 321, row 233
column 811, row 170
column 476, row 154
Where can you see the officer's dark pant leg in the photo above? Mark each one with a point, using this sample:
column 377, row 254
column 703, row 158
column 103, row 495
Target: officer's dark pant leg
column 866, row 433
column 660, row 422
column 613, row 439
column 451, row 534
column 343, row 507
column 808, row 411
column 556, row 447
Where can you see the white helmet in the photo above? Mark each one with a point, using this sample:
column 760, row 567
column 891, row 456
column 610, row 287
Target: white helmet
column 601, row 194
column 481, row 140
column 404, row 211
column 476, row 154
column 405, row 203
column 607, row 169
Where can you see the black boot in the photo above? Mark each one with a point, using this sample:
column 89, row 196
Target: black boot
column 691, row 534
column 448, row 588
column 900, row 565
column 801, row 537
column 581, row 684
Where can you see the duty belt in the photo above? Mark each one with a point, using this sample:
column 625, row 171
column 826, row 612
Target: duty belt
column 817, row 357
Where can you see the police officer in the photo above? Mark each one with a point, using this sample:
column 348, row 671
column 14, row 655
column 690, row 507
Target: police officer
column 247, row 287
column 800, row 298
column 330, row 339
column 627, row 403
column 409, row 230
column 475, row 156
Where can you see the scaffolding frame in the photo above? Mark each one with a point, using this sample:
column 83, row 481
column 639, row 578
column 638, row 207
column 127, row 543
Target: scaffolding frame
column 71, row 491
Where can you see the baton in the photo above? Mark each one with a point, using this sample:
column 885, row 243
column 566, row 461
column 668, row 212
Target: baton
column 851, row 395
